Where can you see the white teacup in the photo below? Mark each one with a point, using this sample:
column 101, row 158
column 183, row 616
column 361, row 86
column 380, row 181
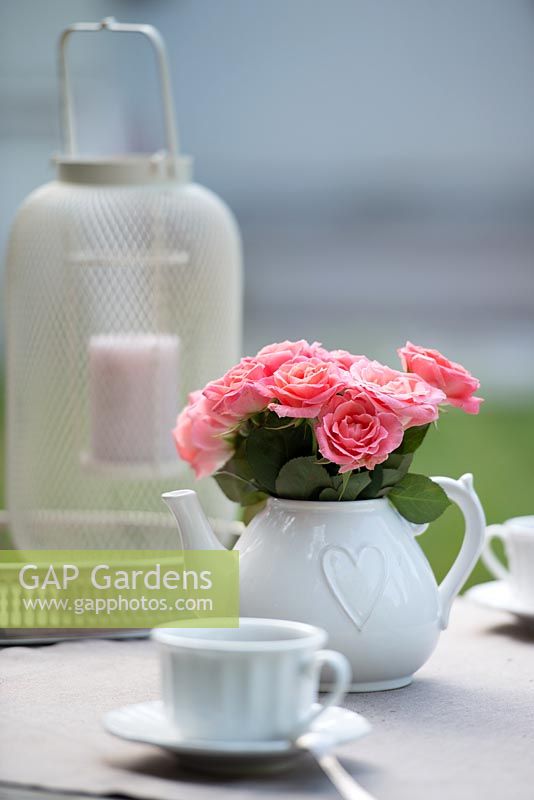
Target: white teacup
column 256, row 682
column 518, row 537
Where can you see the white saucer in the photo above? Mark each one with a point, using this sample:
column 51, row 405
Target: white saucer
column 499, row 596
column 147, row 723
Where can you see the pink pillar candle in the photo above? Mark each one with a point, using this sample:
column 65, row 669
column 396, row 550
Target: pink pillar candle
column 133, row 396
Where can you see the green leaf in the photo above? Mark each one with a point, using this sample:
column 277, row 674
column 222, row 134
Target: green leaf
column 337, row 479
column 390, row 477
column 250, row 511
column 345, row 477
column 418, row 498
column 395, row 468
column 328, row 494
column 238, row 465
column 255, row 498
column 375, row 484
column 302, row 479
column 413, row 437
column 384, row 492
column 271, row 421
column 237, row 489
column 356, row 483
column 397, row 460
column 266, row 453
column 268, row 450
column 333, row 471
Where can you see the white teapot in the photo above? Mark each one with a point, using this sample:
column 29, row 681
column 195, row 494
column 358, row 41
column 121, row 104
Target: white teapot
column 352, row 568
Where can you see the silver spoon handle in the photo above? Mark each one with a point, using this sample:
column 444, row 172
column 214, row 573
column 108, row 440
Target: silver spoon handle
column 344, row 783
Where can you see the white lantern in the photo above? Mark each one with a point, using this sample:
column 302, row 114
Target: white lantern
column 123, row 295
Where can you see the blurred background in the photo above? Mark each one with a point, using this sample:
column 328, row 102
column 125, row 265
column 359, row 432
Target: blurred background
column 379, row 157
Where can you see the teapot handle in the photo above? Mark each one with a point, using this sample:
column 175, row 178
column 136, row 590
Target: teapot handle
column 463, row 494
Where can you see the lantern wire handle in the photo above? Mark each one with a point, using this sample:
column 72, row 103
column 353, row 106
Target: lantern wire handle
column 110, row 24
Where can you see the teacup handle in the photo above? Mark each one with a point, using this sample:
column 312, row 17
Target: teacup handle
column 488, row 556
column 342, row 678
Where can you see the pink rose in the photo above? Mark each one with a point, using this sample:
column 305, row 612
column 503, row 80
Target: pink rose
column 413, row 400
column 199, row 436
column 303, row 386
column 354, row 432
column 274, row 355
column 454, row 380
column 240, row 391
column 343, row 358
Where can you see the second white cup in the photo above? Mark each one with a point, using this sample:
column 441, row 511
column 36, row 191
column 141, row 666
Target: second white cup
column 253, row 683
column 517, row 534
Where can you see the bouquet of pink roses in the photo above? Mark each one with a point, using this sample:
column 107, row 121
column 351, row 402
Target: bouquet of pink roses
column 301, row 422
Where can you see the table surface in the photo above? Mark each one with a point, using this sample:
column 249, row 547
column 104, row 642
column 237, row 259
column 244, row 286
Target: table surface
column 463, row 729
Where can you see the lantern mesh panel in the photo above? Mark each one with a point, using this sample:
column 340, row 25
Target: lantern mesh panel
column 155, row 271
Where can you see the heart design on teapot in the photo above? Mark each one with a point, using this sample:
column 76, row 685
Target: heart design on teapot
column 356, row 581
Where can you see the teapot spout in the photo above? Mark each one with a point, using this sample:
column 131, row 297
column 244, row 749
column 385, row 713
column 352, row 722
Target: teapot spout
column 195, row 530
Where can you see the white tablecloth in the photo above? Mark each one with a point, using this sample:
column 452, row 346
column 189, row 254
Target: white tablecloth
column 463, row 730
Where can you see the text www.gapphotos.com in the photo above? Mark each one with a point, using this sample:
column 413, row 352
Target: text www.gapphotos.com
column 112, row 605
